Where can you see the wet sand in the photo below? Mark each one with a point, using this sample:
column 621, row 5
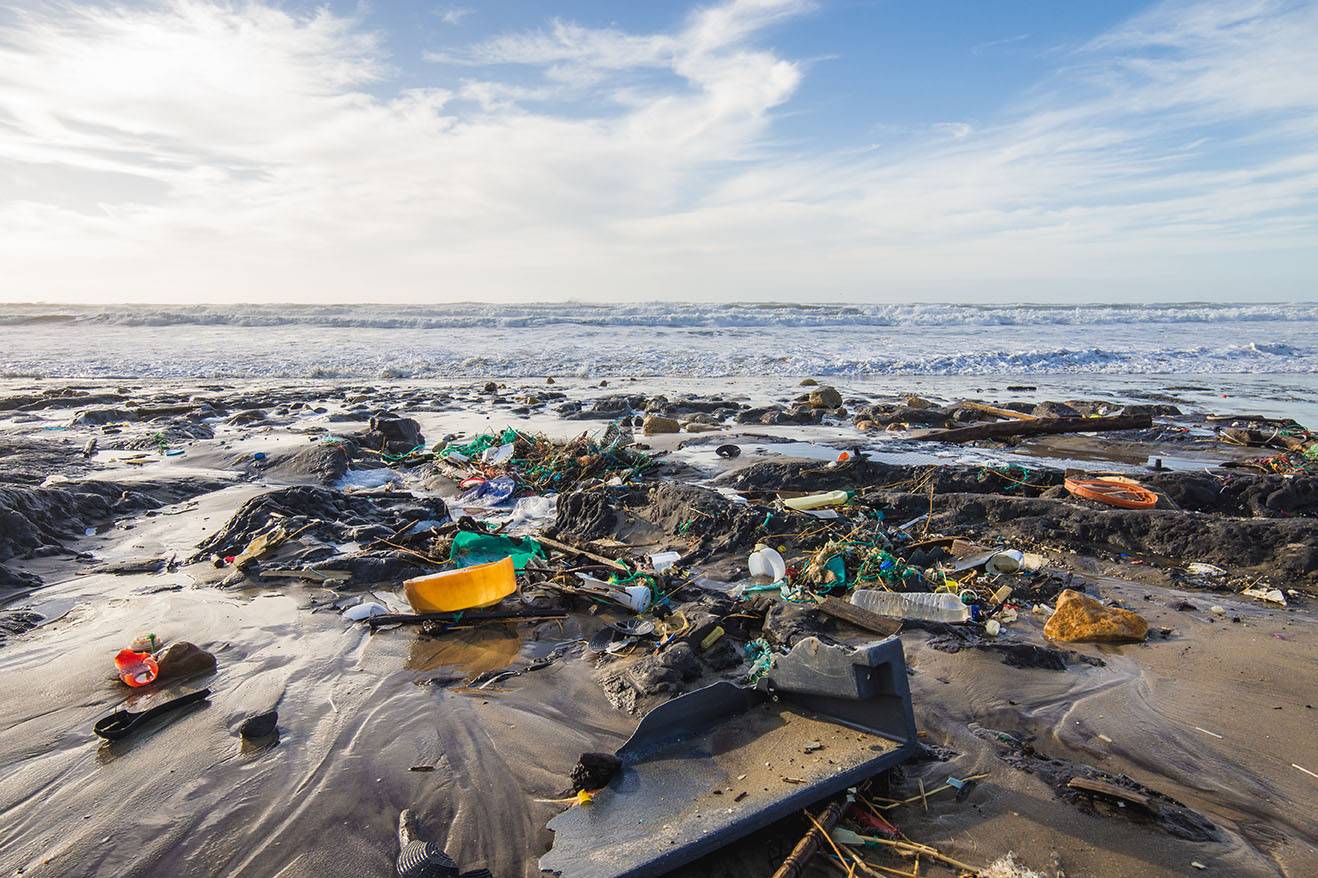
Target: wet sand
column 1215, row 714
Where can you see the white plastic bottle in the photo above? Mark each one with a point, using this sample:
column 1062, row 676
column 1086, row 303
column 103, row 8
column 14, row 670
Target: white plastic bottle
column 817, row 501
column 924, row 605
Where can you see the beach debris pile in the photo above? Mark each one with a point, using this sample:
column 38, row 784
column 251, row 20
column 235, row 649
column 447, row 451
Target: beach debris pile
column 493, row 467
column 723, row 596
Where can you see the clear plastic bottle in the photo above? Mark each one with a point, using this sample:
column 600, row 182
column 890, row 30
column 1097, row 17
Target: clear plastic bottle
column 925, row 605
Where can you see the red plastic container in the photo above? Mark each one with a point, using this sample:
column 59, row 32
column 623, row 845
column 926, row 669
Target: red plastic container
column 136, row 669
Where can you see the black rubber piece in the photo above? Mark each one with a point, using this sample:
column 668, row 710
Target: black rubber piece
column 122, row 722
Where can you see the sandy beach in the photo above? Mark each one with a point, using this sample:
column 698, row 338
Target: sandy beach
column 120, row 501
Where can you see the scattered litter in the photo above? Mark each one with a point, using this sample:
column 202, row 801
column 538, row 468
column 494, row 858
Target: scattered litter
column 1270, row 595
column 361, row 612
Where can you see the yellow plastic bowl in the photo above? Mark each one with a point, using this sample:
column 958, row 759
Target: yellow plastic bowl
column 482, row 585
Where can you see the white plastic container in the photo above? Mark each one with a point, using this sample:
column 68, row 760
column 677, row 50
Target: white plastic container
column 662, row 561
column 924, row 605
column 817, row 501
column 765, row 561
column 1009, row 561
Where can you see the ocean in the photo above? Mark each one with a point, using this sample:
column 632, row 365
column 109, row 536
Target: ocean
column 662, row 339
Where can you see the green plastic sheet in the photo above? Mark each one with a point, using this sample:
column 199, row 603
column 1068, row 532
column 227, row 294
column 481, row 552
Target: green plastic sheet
column 470, row 549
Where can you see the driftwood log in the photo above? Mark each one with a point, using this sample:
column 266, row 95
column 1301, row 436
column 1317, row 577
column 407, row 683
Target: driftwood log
column 1039, row 427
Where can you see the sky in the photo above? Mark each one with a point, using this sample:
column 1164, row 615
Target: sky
column 531, row 150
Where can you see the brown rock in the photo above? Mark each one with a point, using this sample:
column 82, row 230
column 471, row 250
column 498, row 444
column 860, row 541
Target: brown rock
column 866, row 426
column 809, row 382
column 1079, row 619
column 658, row 424
column 825, row 398
column 181, row 660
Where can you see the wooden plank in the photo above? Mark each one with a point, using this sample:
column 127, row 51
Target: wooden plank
column 1038, row 427
column 859, row 616
column 1085, row 785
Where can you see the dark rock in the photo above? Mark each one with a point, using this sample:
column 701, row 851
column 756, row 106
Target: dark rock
column 664, row 672
column 1281, row 547
column 593, row 771
column 97, row 417
column 1055, row 410
column 393, row 433
column 131, row 565
column 32, row 519
column 1152, row 410
column 786, row 624
column 1027, row 655
column 247, row 418
column 327, row 516
column 609, row 407
column 172, row 433
column 182, row 660
column 825, row 397
column 1241, row 494
column 261, row 725
column 320, row 462
column 17, row 579
column 917, row 415
column 16, row 622
column 368, row 567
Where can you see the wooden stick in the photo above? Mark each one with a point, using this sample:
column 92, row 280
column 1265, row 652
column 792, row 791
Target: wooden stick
column 565, row 547
column 1011, row 414
column 1038, row 427
column 472, row 619
column 413, row 552
column 800, row 856
column 911, row 847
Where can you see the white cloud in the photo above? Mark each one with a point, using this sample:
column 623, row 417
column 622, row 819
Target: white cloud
column 453, row 15
column 217, row 150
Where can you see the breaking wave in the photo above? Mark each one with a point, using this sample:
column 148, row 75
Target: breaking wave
column 672, row 315
column 575, row 339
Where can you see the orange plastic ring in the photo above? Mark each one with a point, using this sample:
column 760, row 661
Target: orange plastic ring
column 1125, row 494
